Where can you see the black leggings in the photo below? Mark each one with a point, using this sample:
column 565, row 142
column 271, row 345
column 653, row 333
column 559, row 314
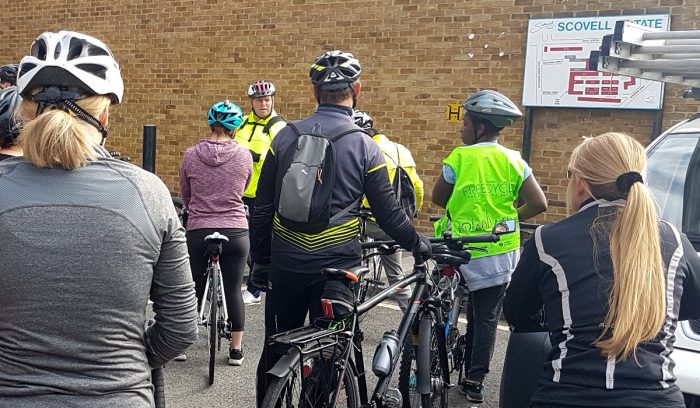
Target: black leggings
column 232, row 262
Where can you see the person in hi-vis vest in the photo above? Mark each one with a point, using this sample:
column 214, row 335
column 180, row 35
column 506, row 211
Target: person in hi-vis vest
column 479, row 186
column 255, row 134
column 396, row 155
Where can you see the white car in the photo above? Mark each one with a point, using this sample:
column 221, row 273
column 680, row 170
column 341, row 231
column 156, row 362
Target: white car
column 674, row 177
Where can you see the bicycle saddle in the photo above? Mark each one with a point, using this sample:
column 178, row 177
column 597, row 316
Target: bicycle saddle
column 216, row 237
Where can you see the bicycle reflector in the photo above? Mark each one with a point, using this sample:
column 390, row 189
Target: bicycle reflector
column 448, row 271
column 327, row 308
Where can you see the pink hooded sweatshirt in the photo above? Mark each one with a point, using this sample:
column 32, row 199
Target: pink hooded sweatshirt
column 213, row 176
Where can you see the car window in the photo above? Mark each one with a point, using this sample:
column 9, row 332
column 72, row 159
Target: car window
column 674, row 178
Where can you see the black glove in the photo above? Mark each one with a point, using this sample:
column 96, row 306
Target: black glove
column 259, row 277
column 256, row 156
column 423, row 251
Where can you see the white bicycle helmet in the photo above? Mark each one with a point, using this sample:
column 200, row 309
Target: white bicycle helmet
column 261, row 88
column 72, row 61
column 494, row 107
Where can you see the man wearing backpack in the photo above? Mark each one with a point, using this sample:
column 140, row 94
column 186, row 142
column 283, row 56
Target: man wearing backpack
column 310, row 221
column 409, row 192
column 255, row 134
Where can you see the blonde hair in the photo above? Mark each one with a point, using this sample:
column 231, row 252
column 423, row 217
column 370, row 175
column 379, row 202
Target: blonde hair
column 57, row 138
column 637, row 303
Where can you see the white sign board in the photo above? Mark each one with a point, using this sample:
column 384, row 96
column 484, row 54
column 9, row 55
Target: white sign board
column 557, row 72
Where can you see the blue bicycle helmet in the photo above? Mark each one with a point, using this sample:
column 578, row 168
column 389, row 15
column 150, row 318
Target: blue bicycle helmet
column 226, row 114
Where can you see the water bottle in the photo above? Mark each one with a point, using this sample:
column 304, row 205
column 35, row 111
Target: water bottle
column 386, row 350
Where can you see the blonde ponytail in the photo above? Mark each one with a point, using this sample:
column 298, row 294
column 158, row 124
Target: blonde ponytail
column 637, row 302
column 57, row 138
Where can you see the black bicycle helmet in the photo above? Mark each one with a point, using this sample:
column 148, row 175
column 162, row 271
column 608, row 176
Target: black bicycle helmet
column 335, row 70
column 494, row 107
column 8, row 73
column 9, row 100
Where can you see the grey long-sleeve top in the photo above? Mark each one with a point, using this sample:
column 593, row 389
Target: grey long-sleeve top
column 81, row 252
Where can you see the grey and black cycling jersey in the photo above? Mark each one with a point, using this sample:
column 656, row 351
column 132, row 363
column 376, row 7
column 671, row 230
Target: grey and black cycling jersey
column 81, row 252
column 561, row 270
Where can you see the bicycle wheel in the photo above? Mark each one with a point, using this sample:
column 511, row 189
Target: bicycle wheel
column 439, row 392
column 311, row 382
column 371, row 282
column 213, row 321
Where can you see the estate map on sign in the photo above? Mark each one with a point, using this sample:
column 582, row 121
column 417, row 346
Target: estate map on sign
column 557, row 72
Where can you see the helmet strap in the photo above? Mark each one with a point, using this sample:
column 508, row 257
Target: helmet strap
column 54, row 98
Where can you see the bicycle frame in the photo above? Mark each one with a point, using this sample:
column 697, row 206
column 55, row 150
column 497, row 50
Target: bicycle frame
column 310, row 339
column 219, row 291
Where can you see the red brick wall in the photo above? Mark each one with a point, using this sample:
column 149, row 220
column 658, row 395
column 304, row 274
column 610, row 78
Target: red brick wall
column 178, row 57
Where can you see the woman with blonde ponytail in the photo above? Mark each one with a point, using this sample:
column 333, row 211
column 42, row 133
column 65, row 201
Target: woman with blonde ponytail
column 98, row 237
column 610, row 280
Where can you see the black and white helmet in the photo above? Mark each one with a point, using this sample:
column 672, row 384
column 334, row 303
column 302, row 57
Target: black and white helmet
column 335, row 70
column 8, row 73
column 9, row 100
column 362, row 119
column 71, row 60
column 494, row 107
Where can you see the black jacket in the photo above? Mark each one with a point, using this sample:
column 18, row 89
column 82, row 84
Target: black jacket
column 360, row 170
column 560, row 270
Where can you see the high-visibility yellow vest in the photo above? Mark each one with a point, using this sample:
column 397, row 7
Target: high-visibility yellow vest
column 251, row 135
column 488, row 181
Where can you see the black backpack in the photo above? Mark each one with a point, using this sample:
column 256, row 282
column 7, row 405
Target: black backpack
column 403, row 187
column 308, row 179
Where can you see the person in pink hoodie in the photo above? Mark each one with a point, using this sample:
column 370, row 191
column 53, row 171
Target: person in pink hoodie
column 213, row 175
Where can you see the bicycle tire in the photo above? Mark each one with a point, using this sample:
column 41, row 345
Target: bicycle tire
column 407, row 378
column 158, row 387
column 282, row 391
column 371, row 281
column 213, row 322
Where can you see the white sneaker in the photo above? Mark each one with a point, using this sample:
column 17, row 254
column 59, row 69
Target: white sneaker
column 181, row 357
column 249, row 298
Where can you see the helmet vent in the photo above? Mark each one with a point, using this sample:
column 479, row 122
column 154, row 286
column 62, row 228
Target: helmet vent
column 75, row 49
column 39, row 49
column 57, row 51
column 26, row 67
column 94, row 69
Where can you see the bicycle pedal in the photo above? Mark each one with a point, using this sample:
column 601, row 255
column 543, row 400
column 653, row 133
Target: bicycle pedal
column 392, row 398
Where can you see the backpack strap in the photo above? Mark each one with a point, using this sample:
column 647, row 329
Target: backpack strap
column 294, row 129
column 271, row 123
column 344, row 211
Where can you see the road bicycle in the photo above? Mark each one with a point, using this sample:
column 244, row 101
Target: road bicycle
column 213, row 312
column 322, row 364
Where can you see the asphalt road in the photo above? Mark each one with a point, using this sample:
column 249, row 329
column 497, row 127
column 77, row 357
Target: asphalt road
column 187, row 382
